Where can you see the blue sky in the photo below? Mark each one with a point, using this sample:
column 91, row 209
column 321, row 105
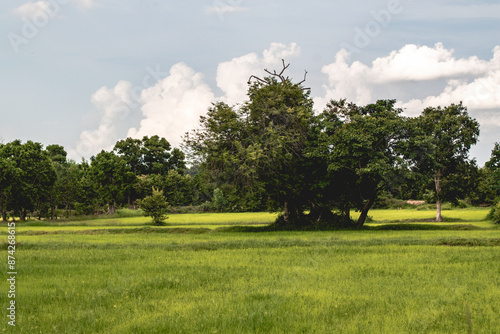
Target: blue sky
column 86, row 73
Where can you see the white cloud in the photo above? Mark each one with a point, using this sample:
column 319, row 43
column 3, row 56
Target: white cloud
column 173, row 105
column 32, row 10
column 115, row 104
column 471, row 80
column 419, row 63
column 480, row 92
column 233, row 75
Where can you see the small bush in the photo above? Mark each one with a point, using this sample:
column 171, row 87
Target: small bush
column 494, row 214
column 155, row 206
column 124, row 213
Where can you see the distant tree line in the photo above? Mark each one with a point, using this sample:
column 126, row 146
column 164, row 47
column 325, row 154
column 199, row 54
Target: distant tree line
column 39, row 182
column 272, row 152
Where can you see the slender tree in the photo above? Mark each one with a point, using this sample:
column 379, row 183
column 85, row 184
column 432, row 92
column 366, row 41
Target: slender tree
column 450, row 132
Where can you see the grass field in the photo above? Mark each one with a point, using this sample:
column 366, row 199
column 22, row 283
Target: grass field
column 198, row 274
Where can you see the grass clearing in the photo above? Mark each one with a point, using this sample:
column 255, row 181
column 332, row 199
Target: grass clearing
column 125, row 278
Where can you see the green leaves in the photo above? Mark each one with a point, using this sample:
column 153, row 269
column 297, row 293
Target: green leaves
column 155, row 206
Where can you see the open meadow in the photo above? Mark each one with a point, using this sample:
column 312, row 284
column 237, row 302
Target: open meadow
column 222, row 273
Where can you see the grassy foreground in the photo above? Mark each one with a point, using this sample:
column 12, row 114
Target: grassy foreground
column 192, row 276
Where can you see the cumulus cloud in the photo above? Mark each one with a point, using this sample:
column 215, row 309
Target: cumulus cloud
column 173, row 105
column 115, row 106
column 471, row 80
column 32, row 10
column 418, row 63
column 478, row 91
column 233, row 75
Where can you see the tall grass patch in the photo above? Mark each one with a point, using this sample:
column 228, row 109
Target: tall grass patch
column 226, row 282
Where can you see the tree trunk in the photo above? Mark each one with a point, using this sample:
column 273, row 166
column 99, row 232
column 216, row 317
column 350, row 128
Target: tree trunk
column 286, row 212
column 22, row 215
column 437, row 182
column 347, row 213
column 438, row 211
column 4, row 216
column 364, row 212
column 291, row 214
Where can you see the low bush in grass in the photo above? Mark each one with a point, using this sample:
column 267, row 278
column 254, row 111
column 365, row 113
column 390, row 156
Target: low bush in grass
column 494, row 214
column 124, row 213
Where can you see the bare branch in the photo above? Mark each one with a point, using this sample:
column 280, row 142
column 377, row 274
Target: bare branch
column 305, row 75
column 254, row 77
column 284, row 68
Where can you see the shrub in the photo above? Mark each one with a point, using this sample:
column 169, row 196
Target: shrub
column 494, row 214
column 155, row 206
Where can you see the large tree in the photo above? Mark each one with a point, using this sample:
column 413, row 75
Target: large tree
column 449, row 132
column 280, row 115
column 222, row 147
column 362, row 148
column 259, row 147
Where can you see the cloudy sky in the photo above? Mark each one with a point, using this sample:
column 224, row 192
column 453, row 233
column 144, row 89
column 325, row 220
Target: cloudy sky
column 86, row 73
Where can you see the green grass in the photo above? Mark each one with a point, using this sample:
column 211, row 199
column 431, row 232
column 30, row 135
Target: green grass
column 130, row 277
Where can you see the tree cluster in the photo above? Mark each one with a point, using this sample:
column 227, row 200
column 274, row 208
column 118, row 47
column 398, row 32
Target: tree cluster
column 272, row 152
column 40, row 182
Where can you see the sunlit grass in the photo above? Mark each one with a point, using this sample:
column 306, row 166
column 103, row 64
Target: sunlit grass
column 197, row 276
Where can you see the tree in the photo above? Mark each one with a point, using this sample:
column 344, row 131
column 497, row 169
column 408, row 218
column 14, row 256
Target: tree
column 493, row 169
column 35, row 176
column 222, row 149
column 9, row 176
column 151, row 155
column 280, row 115
column 258, row 148
column 68, row 187
column 56, row 153
column 362, row 149
column 450, row 132
column 178, row 188
column 111, row 178
column 155, row 206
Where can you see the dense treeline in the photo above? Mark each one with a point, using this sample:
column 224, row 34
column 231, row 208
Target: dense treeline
column 272, row 152
column 41, row 182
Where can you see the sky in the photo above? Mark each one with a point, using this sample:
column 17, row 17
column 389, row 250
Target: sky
column 86, row 73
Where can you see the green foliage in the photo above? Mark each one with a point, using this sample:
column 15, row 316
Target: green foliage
column 151, row 155
column 155, row 206
column 32, row 177
column 494, row 213
column 445, row 136
column 218, row 204
column 360, row 147
column 57, row 153
column 111, row 179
